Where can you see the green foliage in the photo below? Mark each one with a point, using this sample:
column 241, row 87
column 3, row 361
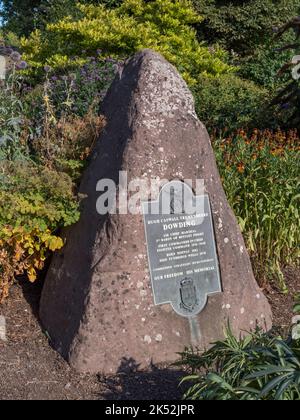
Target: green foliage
column 246, row 30
column 110, row 3
column 36, row 197
column 11, row 119
column 34, row 203
column 261, row 176
column 257, row 367
column 243, row 25
column 83, row 88
column 42, row 154
column 263, row 65
column 22, row 17
column 163, row 25
column 228, row 103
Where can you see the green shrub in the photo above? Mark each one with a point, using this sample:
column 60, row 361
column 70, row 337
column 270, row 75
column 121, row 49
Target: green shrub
column 163, row 25
column 34, row 203
column 261, row 177
column 258, row 367
column 22, row 17
column 42, row 153
column 246, row 30
column 228, row 103
column 84, row 88
column 242, row 25
column 262, row 67
column 33, row 196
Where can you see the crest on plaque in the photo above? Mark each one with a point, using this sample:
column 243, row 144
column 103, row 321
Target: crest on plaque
column 188, row 294
column 182, row 252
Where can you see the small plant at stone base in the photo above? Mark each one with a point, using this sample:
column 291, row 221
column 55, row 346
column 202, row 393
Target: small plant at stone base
column 257, row 367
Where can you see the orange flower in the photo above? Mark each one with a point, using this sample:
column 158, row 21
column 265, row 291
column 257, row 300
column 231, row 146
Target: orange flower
column 277, row 152
column 241, row 167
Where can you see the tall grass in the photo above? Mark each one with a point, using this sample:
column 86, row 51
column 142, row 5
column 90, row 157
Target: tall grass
column 261, row 176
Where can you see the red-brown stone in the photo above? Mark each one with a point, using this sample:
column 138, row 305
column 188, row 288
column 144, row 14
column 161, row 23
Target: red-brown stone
column 97, row 303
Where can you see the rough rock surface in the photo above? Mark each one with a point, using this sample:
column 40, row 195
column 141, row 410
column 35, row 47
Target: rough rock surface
column 97, row 303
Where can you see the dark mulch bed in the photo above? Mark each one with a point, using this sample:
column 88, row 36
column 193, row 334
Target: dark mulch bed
column 282, row 304
column 31, row 370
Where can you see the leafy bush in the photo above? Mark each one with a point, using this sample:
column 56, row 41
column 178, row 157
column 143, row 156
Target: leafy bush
column 263, row 65
column 164, row 25
column 261, row 176
column 44, row 149
column 66, row 144
column 243, row 25
column 84, row 88
column 257, row 367
column 229, row 102
column 22, row 17
column 35, row 202
column 296, row 318
column 246, row 30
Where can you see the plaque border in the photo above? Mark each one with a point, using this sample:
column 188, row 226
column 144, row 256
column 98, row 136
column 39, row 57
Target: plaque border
column 215, row 250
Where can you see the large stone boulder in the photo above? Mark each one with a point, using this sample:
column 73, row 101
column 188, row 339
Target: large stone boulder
column 97, row 303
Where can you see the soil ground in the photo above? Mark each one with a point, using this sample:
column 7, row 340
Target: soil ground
column 31, row 370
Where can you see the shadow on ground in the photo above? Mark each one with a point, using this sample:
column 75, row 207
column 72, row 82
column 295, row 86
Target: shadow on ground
column 130, row 383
